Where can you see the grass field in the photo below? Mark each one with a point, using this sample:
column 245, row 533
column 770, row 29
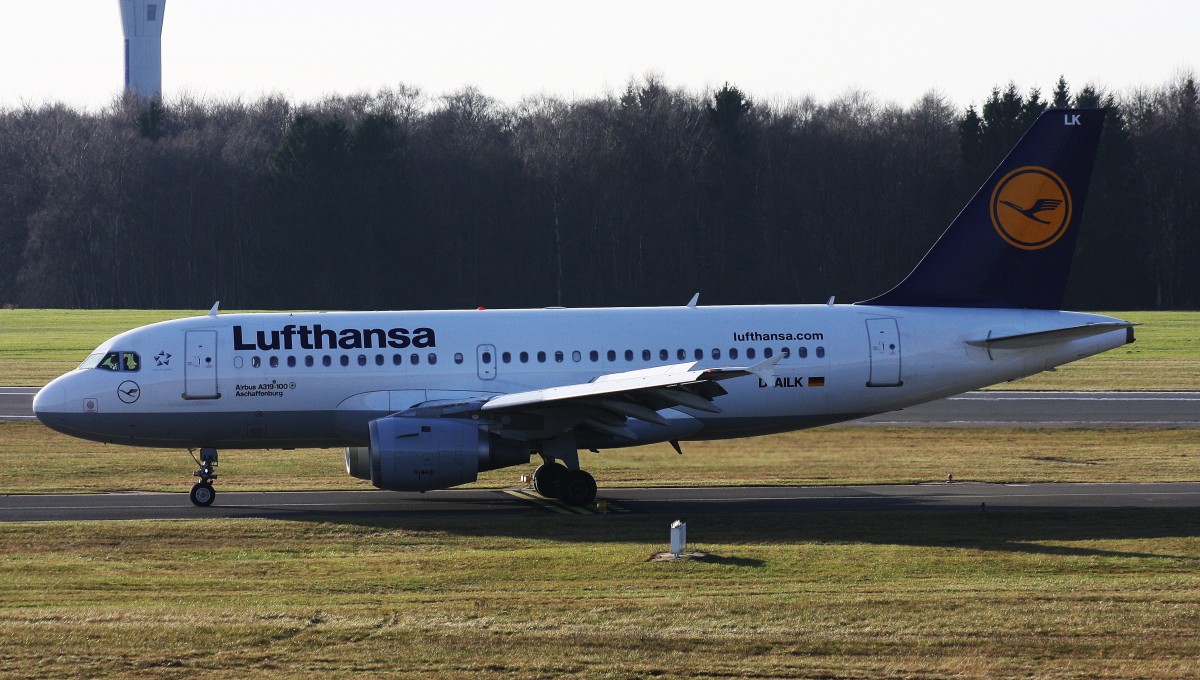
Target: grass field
column 1069, row 595
column 34, row 459
column 37, row 345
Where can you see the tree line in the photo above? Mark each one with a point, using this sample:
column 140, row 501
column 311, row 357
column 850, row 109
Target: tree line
column 395, row 200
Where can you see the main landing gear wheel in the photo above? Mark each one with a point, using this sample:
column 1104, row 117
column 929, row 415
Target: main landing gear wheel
column 203, row 494
column 577, row 488
column 546, row 479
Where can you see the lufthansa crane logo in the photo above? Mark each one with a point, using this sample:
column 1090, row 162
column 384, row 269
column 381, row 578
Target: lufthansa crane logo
column 129, row 391
column 1031, row 208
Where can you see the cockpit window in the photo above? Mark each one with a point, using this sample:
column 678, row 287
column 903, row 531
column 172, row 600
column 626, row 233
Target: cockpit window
column 115, row 361
column 93, row 360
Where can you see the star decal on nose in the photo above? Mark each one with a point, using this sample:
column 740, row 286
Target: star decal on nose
column 162, row 359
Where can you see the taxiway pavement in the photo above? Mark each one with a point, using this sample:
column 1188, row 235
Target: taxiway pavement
column 358, row 505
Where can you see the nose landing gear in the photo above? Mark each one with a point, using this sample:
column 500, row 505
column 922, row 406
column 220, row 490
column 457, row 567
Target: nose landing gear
column 202, row 492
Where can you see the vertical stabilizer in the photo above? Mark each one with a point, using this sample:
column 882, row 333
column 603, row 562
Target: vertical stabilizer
column 1012, row 245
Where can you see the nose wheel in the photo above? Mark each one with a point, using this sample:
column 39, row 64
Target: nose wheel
column 202, row 492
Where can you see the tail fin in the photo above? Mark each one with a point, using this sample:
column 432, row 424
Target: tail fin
column 1012, row 245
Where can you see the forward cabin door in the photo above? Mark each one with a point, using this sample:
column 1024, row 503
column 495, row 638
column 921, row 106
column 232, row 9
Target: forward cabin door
column 884, row 336
column 485, row 356
column 200, row 366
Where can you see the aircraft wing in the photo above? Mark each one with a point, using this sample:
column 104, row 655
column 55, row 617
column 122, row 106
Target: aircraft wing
column 604, row 403
column 659, row 380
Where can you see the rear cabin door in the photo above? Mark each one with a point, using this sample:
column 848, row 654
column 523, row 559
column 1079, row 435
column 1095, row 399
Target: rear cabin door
column 485, row 356
column 884, row 336
column 200, row 366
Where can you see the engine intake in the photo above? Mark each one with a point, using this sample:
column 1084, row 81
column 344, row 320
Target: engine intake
column 420, row 454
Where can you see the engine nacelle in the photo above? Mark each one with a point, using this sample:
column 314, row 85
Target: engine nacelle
column 420, row 454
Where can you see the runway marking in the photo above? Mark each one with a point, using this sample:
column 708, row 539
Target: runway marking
column 1137, row 494
column 1073, row 398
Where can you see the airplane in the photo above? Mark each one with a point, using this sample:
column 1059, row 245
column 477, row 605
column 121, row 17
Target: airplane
column 426, row 400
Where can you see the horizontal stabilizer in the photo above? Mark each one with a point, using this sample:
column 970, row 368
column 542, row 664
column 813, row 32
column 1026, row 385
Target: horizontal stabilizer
column 1050, row 337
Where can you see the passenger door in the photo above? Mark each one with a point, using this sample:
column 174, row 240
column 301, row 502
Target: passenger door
column 884, row 336
column 200, row 366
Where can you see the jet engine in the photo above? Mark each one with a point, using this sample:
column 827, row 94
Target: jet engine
column 420, row 454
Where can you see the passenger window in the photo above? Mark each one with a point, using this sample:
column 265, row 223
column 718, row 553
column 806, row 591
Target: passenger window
column 541, row 357
column 378, row 359
column 397, row 359
column 558, row 357
column 486, row 357
column 345, row 360
column 681, row 354
column 699, row 354
column 110, row 362
column 255, row 362
column 612, row 355
column 291, row 361
column 326, row 360
column 750, row 353
column 645, row 355
column 362, row 360
column 274, row 361
column 733, row 354
column 768, row 353
column 663, row 355
column 506, row 357
column 524, row 357
column 576, row 356
column 308, row 361
column 820, row 352
column 594, row 356
column 802, row 352
column 458, row 357
column 628, row 355
column 716, row 353
column 131, row 362
column 414, row 359
column 432, row 358
column 786, row 352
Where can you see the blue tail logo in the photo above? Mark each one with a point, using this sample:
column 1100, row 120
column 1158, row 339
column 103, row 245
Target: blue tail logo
column 1048, row 213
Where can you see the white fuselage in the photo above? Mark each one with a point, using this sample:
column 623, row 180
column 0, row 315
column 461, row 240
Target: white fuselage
column 317, row 379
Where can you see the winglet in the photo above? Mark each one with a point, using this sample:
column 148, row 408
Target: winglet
column 695, row 299
column 766, row 367
column 216, row 306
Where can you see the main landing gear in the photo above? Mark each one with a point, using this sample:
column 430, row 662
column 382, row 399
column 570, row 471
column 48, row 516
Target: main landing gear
column 567, row 482
column 202, row 492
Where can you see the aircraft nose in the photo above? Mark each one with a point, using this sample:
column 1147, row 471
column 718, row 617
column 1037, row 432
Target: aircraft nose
column 50, row 399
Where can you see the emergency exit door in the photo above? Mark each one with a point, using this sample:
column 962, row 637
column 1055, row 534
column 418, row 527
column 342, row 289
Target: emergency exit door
column 200, row 366
column 884, row 336
column 485, row 355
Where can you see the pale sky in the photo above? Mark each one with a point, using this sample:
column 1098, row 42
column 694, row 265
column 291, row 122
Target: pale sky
column 71, row 50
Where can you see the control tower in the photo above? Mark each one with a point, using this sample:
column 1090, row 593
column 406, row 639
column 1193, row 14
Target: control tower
column 142, row 22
